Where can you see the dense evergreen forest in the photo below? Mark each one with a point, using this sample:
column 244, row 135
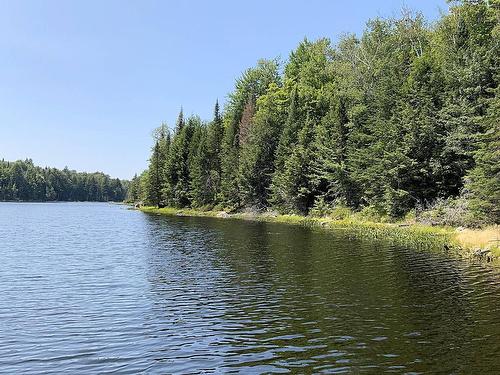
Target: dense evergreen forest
column 21, row 180
column 401, row 120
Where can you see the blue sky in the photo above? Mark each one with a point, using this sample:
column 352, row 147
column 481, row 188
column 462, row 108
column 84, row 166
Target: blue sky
column 83, row 84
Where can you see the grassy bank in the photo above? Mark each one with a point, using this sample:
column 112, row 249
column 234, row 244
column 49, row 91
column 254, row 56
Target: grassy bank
column 467, row 243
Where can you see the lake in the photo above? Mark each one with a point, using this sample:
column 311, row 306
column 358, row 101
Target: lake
column 97, row 288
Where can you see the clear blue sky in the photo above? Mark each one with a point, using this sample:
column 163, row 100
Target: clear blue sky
column 82, row 84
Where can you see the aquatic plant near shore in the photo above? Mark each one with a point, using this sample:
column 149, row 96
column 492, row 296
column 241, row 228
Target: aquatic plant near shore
column 466, row 243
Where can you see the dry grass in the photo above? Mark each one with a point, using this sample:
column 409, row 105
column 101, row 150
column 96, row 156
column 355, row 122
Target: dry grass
column 480, row 238
column 465, row 241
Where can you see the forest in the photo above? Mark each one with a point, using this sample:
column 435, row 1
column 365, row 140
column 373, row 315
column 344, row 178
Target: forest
column 23, row 181
column 401, row 120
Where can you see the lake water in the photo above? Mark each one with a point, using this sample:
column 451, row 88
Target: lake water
column 96, row 288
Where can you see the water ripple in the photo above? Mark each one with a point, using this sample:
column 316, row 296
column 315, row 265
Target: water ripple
column 97, row 288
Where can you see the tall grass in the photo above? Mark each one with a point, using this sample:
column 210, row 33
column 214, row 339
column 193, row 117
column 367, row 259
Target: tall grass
column 463, row 243
column 487, row 238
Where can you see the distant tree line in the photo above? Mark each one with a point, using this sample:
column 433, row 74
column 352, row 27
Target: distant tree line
column 391, row 121
column 23, row 181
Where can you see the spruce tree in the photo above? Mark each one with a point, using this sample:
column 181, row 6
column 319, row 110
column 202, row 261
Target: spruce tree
column 214, row 138
column 257, row 159
column 252, row 84
column 203, row 190
column 484, row 179
column 389, row 121
column 329, row 174
column 179, row 124
column 287, row 142
column 292, row 188
column 154, row 187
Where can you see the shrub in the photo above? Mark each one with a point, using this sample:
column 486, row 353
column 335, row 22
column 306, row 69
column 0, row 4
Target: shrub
column 321, row 208
column 372, row 213
column 450, row 211
column 340, row 213
column 335, row 210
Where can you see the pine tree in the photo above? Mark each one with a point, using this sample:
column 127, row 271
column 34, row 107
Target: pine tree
column 230, row 163
column 214, row 138
column 176, row 190
column 257, row 157
column 292, row 188
column 290, row 131
column 253, row 83
column 179, row 125
column 329, row 174
column 154, row 187
column 389, row 121
column 287, row 142
column 133, row 190
column 202, row 184
column 484, row 179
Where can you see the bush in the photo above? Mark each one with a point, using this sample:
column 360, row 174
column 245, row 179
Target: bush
column 321, row 208
column 206, row 207
column 340, row 213
column 335, row 210
column 397, row 202
column 451, row 211
column 372, row 213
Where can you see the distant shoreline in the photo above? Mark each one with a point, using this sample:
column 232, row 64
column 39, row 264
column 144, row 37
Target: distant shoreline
column 20, row 201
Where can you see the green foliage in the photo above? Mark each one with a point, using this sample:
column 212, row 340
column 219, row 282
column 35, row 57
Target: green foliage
column 484, row 178
column 372, row 214
column 202, row 187
column 336, row 210
column 397, row 119
column 22, row 180
column 293, row 188
column 257, row 161
column 215, row 135
column 249, row 87
column 450, row 211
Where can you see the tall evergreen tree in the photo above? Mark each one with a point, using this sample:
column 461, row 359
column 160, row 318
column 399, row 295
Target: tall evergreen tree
column 329, row 174
column 292, row 188
column 253, row 83
column 258, row 152
column 484, row 179
column 391, row 120
column 154, row 187
column 213, row 145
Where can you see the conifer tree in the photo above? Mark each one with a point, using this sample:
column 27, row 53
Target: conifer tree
column 329, row 174
column 179, row 124
column 214, row 138
column 290, row 131
column 176, row 188
column 154, row 187
column 202, row 184
column 253, row 83
column 257, row 161
column 484, row 179
column 292, row 188
column 389, row 121
column 246, row 121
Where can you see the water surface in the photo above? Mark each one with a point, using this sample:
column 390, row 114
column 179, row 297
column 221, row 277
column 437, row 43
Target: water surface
column 96, row 288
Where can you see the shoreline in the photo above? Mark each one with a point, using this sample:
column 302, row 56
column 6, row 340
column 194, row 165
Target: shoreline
column 473, row 244
column 34, row 201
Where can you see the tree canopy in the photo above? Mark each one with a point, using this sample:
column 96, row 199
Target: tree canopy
column 395, row 119
column 22, row 180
